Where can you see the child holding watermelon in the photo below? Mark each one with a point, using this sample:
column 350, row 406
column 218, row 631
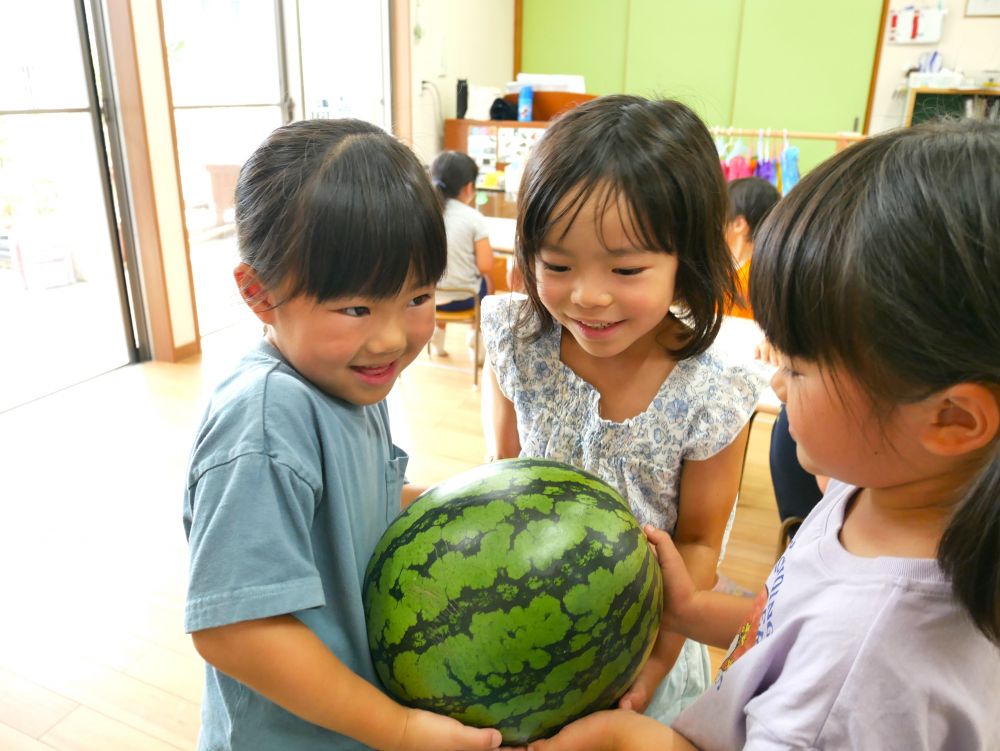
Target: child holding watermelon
column 879, row 628
column 608, row 364
column 294, row 476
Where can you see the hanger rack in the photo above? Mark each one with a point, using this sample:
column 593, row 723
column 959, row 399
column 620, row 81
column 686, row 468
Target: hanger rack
column 841, row 140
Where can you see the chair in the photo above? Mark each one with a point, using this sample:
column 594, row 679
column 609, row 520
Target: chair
column 470, row 317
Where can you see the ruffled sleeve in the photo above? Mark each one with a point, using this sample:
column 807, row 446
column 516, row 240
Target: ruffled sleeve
column 724, row 397
column 499, row 314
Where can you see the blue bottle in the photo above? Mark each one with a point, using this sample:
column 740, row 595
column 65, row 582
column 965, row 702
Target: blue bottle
column 524, row 99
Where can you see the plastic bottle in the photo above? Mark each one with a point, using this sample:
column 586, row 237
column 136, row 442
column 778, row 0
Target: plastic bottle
column 524, row 99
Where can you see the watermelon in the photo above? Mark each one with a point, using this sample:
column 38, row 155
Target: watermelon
column 519, row 595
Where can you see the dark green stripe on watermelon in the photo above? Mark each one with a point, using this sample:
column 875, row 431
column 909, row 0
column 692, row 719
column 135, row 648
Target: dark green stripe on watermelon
column 520, row 595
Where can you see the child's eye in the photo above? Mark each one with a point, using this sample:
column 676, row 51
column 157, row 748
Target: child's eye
column 355, row 311
column 419, row 300
column 629, row 272
column 554, row 267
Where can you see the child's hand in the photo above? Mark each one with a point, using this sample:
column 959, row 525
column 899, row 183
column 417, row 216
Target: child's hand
column 591, row 733
column 767, row 353
column 426, row 731
column 641, row 692
column 678, row 587
column 613, row 730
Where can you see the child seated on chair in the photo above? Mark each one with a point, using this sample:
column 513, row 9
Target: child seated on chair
column 470, row 257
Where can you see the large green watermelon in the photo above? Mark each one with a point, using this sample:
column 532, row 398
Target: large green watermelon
column 519, row 595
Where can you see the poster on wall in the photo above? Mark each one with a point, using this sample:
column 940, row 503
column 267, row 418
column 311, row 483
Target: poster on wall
column 515, row 143
column 982, row 8
column 481, row 145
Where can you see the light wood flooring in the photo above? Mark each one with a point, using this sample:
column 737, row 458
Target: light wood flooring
column 93, row 556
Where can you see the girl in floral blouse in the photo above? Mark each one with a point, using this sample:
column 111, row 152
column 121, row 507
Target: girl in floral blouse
column 608, row 362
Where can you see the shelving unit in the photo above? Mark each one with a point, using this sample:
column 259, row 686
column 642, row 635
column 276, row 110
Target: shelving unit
column 926, row 103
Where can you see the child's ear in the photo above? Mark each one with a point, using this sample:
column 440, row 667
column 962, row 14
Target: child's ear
column 253, row 292
column 965, row 418
column 741, row 226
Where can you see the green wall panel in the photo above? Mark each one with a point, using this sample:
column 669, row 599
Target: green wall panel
column 806, row 66
column 580, row 37
column 794, row 64
column 685, row 50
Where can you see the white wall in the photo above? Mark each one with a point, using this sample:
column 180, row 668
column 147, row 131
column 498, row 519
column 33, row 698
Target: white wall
column 452, row 39
column 970, row 44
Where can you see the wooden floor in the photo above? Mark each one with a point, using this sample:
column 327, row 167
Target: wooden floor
column 93, row 557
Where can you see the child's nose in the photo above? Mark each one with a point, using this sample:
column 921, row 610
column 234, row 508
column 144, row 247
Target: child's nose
column 389, row 338
column 589, row 294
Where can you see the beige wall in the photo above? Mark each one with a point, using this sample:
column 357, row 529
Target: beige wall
column 969, row 44
column 457, row 39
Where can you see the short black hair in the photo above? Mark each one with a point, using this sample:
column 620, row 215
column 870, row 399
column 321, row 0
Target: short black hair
column 751, row 198
column 451, row 171
column 338, row 208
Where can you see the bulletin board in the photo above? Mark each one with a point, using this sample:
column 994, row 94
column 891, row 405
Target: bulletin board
column 982, row 8
column 514, row 144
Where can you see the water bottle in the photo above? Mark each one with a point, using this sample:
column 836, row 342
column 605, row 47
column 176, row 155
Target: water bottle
column 524, row 104
column 461, row 97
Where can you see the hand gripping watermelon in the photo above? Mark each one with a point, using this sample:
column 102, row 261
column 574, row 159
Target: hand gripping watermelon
column 519, row 595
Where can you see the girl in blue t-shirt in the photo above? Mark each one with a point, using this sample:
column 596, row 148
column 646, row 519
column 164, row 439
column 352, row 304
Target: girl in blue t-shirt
column 878, row 280
column 293, row 476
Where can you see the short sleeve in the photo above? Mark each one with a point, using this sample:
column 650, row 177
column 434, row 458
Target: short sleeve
column 479, row 227
column 725, row 399
column 250, row 546
column 499, row 314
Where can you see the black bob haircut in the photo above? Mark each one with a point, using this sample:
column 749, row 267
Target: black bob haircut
column 658, row 158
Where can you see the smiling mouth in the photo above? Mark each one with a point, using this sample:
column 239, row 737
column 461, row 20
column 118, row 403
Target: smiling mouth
column 596, row 330
column 376, row 374
column 596, row 325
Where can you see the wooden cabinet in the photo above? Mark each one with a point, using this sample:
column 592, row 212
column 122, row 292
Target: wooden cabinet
column 492, row 143
column 925, row 103
column 500, row 132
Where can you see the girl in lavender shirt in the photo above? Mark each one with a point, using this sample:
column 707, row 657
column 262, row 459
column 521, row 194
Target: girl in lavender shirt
column 878, row 278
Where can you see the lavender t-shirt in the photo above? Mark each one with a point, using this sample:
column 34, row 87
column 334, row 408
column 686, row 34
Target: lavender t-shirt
column 843, row 652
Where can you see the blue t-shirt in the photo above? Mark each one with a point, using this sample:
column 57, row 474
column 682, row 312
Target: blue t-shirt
column 288, row 492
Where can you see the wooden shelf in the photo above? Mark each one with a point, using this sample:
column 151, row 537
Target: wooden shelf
column 960, row 92
column 456, row 134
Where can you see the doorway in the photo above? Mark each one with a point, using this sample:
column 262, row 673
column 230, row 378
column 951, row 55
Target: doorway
column 239, row 69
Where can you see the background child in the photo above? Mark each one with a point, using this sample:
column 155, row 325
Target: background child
column 750, row 199
column 293, row 476
column 620, row 217
column 470, row 257
column 877, row 277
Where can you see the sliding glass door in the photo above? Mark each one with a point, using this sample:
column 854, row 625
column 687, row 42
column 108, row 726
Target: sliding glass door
column 64, row 315
column 227, row 84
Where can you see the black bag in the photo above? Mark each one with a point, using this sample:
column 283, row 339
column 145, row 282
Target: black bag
column 501, row 109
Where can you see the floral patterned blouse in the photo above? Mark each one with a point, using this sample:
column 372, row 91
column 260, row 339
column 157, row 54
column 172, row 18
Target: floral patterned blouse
column 701, row 406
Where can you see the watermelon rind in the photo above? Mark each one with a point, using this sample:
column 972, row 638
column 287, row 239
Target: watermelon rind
column 520, row 595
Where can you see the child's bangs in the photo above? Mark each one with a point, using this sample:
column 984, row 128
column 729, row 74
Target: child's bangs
column 373, row 225
column 608, row 196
